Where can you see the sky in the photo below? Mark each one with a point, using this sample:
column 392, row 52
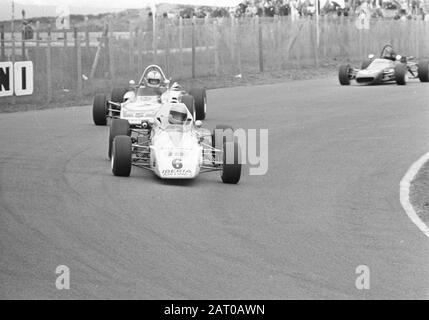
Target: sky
column 38, row 8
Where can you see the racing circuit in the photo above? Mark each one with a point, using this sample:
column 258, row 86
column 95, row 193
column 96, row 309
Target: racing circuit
column 329, row 203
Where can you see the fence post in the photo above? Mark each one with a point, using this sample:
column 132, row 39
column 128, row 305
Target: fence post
column 181, row 40
column 216, row 47
column 110, row 52
column 65, row 38
column 48, row 67
column 167, row 46
column 23, row 55
column 237, row 40
column 193, row 47
column 130, row 48
column 260, row 49
column 2, row 54
column 154, row 39
column 140, row 37
column 37, row 33
column 78, row 63
column 86, row 33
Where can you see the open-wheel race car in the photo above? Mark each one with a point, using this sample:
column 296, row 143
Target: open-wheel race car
column 144, row 99
column 389, row 67
column 174, row 146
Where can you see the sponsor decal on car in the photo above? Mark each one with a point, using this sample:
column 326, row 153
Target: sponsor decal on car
column 176, row 173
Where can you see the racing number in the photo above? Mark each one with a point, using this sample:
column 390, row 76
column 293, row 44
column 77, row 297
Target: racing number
column 177, row 164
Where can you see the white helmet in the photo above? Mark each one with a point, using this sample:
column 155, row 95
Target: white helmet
column 178, row 114
column 153, row 79
column 176, row 87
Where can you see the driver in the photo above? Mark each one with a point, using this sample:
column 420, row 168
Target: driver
column 178, row 114
column 153, row 79
column 389, row 54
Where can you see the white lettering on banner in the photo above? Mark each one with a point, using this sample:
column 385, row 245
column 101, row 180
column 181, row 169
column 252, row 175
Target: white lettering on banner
column 6, row 79
column 16, row 78
column 23, row 78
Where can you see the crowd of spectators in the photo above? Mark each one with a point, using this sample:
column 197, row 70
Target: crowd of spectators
column 298, row 8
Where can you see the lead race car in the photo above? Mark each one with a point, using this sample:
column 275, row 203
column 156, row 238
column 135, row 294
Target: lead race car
column 145, row 98
column 389, row 67
column 174, row 146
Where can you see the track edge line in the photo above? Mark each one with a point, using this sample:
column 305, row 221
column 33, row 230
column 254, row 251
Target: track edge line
column 404, row 193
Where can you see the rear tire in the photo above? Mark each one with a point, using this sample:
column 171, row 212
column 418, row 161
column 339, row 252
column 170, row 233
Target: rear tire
column 121, row 156
column 118, row 95
column 189, row 101
column 423, row 70
column 401, row 74
column 231, row 170
column 99, row 110
column 344, row 74
column 200, row 99
column 119, row 127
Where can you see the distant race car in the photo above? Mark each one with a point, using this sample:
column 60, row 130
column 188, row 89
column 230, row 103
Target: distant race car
column 390, row 67
column 144, row 99
column 174, row 150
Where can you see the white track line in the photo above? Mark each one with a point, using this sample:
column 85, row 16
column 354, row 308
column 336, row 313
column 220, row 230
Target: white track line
column 405, row 193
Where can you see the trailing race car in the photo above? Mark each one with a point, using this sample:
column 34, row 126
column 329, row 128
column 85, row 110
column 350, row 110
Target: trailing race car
column 145, row 99
column 173, row 146
column 390, row 67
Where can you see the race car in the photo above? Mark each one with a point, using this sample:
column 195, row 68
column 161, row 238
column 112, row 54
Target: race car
column 145, row 98
column 174, row 146
column 390, row 67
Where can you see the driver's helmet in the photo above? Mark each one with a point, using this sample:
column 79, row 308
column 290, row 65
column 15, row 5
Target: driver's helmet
column 178, row 114
column 389, row 53
column 153, row 79
column 176, row 87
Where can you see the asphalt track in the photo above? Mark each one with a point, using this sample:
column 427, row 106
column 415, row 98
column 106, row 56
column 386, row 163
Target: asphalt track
column 329, row 203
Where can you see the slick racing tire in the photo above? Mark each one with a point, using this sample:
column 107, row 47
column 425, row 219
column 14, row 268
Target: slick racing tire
column 423, row 70
column 200, row 99
column 231, row 167
column 401, row 74
column 121, row 156
column 189, row 101
column 118, row 95
column 366, row 63
column 119, row 127
column 344, row 74
column 99, row 110
column 221, row 134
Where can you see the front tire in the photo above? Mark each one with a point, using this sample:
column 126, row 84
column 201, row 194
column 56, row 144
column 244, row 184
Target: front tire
column 231, row 168
column 118, row 95
column 344, row 74
column 221, row 134
column 401, row 74
column 119, row 127
column 99, row 110
column 423, row 70
column 121, row 156
column 200, row 99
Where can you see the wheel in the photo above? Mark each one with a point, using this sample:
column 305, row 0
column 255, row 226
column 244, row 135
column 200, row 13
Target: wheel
column 118, row 95
column 231, row 167
column 366, row 63
column 200, row 99
column 344, row 74
column 119, row 127
column 121, row 156
column 221, row 134
column 99, row 110
column 423, row 70
column 188, row 100
column 401, row 74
